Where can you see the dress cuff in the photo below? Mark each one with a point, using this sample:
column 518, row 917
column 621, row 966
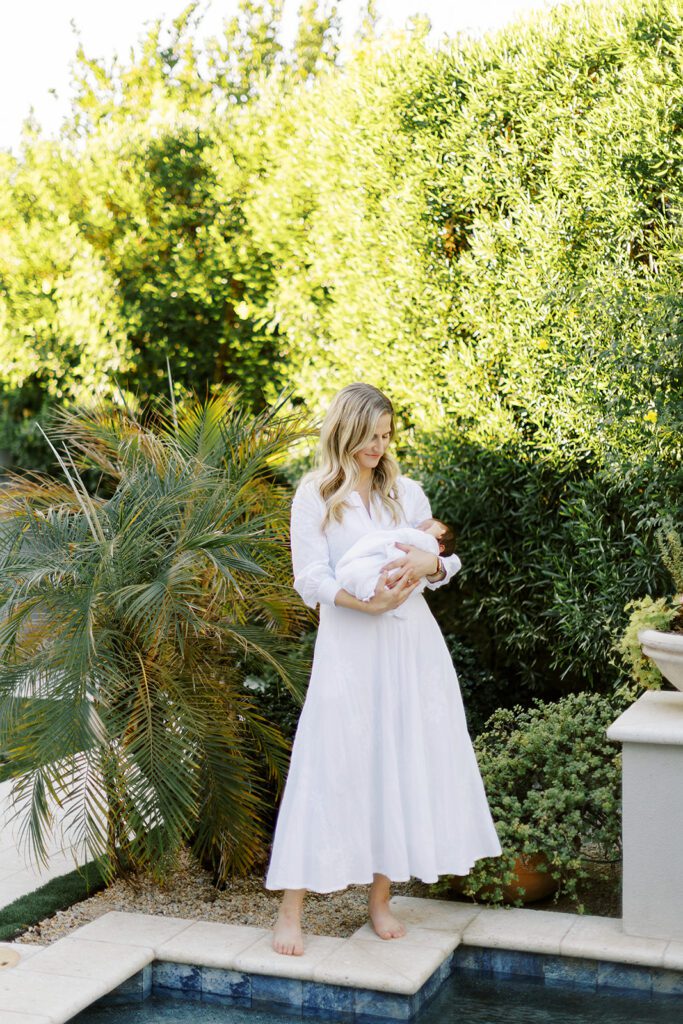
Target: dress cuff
column 452, row 564
column 328, row 591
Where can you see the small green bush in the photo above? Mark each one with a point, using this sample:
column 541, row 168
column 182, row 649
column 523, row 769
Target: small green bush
column 553, row 782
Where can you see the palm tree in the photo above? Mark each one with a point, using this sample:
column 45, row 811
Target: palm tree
column 126, row 615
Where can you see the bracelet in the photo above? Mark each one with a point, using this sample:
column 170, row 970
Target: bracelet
column 438, row 575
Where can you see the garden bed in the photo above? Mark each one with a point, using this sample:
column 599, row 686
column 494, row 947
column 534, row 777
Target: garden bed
column 189, row 893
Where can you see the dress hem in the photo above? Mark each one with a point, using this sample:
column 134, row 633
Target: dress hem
column 369, row 881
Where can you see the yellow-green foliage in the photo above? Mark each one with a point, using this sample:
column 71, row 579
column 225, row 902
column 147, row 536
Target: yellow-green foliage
column 646, row 613
column 671, row 550
column 123, row 243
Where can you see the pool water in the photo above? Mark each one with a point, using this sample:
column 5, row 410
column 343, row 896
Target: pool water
column 463, row 999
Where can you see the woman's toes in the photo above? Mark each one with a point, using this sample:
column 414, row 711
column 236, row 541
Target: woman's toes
column 287, row 938
column 385, row 924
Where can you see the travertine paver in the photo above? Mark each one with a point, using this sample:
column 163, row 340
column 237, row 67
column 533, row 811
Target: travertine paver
column 434, row 914
column 148, row 930
column 386, row 966
column 83, row 958
column 440, row 939
column 10, row 1017
column 210, row 943
column 602, row 938
column 673, row 956
column 24, row 949
column 260, row 957
column 519, row 929
column 51, row 995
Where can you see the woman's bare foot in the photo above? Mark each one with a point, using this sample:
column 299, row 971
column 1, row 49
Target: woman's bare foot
column 383, row 921
column 287, row 937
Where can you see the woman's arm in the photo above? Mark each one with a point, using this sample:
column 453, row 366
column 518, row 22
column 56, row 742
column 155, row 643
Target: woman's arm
column 383, row 599
column 451, row 563
column 314, row 579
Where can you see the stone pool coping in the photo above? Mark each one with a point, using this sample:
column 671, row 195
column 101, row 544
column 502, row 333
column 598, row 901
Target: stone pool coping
column 51, row 984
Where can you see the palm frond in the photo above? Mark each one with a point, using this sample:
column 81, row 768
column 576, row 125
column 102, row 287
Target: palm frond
column 124, row 621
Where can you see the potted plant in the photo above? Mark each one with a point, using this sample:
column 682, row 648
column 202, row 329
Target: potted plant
column 652, row 643
column 553, row 782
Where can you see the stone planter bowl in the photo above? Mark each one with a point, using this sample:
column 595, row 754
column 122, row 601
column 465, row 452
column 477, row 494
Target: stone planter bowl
column 666, row 650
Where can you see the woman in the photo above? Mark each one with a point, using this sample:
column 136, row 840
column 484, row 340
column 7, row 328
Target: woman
column 383, row 783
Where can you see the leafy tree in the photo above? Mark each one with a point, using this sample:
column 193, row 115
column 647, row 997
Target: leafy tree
column 123, row 244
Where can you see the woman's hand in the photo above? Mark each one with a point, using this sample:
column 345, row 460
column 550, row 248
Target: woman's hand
column 386, row 598
column 414, row 566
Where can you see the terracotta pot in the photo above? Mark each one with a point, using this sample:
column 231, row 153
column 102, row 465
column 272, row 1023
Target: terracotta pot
column 537, row 884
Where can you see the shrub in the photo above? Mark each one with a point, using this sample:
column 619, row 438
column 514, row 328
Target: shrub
column 553, row 782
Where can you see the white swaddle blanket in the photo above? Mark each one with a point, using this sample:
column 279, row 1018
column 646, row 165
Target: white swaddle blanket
column 359, row 567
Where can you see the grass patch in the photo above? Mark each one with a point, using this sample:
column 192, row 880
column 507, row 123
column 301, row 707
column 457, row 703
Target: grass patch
column 57, row 894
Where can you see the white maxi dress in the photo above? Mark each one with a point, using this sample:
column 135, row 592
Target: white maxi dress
column 382, row 775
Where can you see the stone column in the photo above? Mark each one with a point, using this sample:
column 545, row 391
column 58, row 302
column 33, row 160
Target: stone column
column 651, row 732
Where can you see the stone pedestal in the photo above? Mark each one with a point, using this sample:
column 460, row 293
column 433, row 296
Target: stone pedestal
column 651, row 732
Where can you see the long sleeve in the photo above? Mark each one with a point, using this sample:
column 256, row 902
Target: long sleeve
column 314, row 579
column 421, row 509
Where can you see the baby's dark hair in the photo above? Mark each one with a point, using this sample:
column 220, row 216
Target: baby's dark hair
column 447, row 538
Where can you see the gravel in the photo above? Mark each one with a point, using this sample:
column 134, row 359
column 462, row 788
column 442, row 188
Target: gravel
column 189, row 893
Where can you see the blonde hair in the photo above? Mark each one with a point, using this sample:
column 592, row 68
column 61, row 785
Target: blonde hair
column 349, row 427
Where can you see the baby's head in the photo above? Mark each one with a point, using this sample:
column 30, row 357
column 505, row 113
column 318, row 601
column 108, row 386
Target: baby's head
column 443, row 533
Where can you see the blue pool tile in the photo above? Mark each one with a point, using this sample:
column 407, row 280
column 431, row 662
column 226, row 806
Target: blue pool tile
column 434, row 983
column 370, row 1005
column 267, row 988
column 134, row 990
column 431, row 985
column 146, row 981
column 472, row 958
column 447, row 967
column 570, row 972
column 667, row 983
column 183, row 980
column 232, row 986
column 628, row 978
column 319, row 1000
column 512, row 961
column 220, row 999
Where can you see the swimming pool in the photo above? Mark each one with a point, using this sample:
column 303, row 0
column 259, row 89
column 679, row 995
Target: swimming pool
column 230, row 971
column 465, row 998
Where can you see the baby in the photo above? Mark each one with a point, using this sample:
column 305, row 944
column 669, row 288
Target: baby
column 358, row 569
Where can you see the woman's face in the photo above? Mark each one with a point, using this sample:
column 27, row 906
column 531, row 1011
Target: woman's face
column 369, row 456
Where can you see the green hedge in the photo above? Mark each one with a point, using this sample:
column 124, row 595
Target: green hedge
column 492, row 233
